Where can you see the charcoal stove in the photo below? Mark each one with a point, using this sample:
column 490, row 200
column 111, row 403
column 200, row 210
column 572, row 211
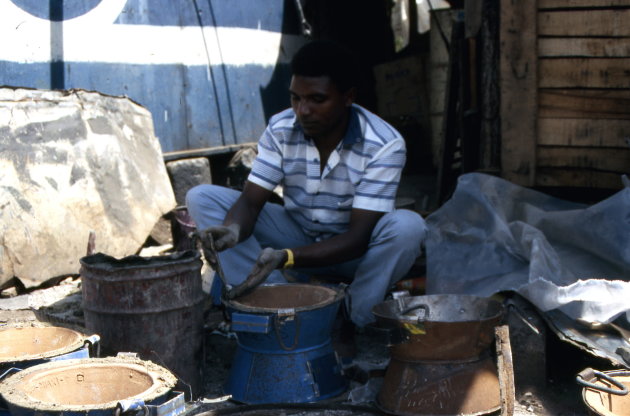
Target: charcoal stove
column 284, row 352
column 441, row 356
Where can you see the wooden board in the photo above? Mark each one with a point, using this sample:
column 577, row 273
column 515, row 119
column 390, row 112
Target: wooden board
column 206, row 152
column 517, row 66
column 608, row 104
column 584, row 132
column 437, row 88
column 584, row 73
column 399, row 86
column 602, row 159
column 597, row 22
column 577, row 178
column 563, row 4
column 584, row 47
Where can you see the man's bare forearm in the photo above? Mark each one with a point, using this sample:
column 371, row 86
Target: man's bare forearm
column 245, row 210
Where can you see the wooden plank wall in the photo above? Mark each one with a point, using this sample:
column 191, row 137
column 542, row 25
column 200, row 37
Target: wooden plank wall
column 518, row 90
column 582, row 115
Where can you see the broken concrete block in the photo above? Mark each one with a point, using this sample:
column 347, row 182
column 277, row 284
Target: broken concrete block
column 187, row 173
column 239, row 167
column 71, row 162
column 161, row 234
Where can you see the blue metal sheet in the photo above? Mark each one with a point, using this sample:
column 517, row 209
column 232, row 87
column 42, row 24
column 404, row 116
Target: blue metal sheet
column 174, row 405
column 252, row 14
column 304, row 331
column 245, row 322
column 298, row 377
column 68, row 9
column 200, row 87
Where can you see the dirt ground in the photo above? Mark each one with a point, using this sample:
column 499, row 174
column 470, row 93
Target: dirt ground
column 556, row 395
column 559, row 396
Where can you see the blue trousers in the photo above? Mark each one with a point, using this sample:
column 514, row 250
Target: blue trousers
column 394, row 246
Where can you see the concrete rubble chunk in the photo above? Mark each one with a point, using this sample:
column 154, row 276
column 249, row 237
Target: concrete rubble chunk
column 187, row 173
column 71, row 162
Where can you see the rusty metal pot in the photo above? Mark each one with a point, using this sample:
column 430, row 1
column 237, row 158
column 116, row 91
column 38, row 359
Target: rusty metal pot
column 439, row 327
column 445, row 389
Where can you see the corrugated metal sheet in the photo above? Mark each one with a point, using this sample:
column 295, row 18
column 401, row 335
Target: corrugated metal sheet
column 210, row 71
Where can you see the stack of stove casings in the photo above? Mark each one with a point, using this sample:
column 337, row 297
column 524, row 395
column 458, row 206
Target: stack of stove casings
column 441, row 356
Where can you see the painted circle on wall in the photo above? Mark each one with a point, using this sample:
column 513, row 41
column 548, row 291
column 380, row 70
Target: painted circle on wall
column 56, row 10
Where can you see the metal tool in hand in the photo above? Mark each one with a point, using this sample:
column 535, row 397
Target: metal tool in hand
column 217, row 263
column 214, row 262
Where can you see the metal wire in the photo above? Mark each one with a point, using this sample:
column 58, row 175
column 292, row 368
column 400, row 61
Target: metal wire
column 307, row 30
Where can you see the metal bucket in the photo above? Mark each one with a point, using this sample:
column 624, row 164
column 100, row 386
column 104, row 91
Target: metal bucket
column 606, row 393
column 97, row 386
column 152, row 306
column 439, row 327
column 284, row 351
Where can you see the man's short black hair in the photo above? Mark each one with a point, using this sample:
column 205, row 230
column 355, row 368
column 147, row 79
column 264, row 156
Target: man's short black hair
column 326, row 58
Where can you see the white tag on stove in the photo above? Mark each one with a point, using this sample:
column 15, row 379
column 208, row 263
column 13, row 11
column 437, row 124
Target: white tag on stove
column 286, row 312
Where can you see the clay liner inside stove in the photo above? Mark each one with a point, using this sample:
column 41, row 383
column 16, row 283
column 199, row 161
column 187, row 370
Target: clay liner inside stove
column 285, row 296
column 36, row 342
column 74, row 385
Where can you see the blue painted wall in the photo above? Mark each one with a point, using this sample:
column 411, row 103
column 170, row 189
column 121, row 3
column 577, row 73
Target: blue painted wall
column 210, row 71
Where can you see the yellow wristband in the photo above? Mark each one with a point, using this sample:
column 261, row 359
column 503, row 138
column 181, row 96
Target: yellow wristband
column 289, row 263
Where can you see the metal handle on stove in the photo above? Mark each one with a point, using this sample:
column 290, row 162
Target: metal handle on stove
column 586, row 376
column 278, row 322
column 422, row 306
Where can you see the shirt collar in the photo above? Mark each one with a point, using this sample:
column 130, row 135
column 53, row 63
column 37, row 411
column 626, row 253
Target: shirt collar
column 353, row 134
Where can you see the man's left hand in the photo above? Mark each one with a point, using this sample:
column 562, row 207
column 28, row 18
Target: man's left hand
column 268, row 260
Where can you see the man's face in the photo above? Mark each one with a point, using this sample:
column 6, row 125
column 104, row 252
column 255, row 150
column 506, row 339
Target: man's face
column 321, row 108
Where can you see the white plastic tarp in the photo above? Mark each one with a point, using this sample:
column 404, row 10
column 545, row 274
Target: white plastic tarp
column 495, row 236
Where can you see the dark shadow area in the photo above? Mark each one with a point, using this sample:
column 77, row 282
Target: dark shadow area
column 564, row 362
column 363, row 27
column 275, row 95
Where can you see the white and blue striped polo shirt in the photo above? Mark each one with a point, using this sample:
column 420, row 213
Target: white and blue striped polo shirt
column 362, row 172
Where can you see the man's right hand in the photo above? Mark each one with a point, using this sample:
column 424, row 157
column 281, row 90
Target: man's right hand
column 222, row 237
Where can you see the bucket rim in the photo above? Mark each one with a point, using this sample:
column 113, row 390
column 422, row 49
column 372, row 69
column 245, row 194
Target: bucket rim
column 336, row 295
column 392, row 309
column 107, row 263
column 163, row 381
column 77, row 343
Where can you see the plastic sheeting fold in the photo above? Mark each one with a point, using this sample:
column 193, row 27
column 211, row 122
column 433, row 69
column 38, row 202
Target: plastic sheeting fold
column 495, row 236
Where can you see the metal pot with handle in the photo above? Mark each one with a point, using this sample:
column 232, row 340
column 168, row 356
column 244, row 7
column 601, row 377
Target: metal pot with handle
column 439, row 327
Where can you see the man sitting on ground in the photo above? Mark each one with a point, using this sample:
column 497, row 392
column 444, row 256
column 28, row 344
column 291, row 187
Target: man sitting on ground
column 339, row 167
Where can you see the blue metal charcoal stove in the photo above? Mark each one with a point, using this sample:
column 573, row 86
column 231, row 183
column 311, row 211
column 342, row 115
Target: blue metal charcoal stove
column 284, row 352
